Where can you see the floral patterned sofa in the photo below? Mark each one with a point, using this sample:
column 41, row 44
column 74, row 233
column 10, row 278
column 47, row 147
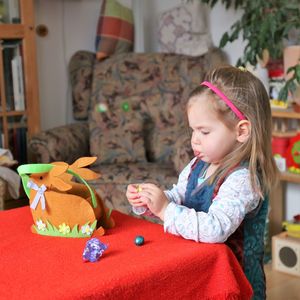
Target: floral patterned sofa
column 132, row 112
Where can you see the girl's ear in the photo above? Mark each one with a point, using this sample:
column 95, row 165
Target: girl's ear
column 243, row 130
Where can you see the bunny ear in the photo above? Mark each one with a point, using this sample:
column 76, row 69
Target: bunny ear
column 84, row 161
column 59, row 163
column 58, row 169
column 87, row 174
column 66, row 176
column 60, row 184
column 80, row 163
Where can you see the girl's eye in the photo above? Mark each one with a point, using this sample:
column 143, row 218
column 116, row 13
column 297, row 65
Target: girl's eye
column 205, row 132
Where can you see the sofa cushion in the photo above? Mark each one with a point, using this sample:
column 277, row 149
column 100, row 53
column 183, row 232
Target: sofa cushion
column 116, row 131
column 115, row 30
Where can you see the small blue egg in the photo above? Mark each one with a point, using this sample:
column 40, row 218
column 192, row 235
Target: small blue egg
column 139, row 240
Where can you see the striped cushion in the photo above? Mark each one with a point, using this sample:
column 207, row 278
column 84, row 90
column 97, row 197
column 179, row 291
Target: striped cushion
column 115, row 30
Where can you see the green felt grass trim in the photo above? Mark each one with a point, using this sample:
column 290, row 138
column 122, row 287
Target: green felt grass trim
column 65, row 231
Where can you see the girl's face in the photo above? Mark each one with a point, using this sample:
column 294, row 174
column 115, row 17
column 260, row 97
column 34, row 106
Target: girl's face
column 211, row 139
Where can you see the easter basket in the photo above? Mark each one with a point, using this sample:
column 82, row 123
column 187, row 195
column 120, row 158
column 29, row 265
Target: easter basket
column 62, row 203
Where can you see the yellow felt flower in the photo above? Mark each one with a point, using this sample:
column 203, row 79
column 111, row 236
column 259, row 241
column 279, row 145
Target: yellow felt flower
column 64, row 228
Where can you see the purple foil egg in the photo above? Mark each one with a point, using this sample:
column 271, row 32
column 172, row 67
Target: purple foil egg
column 93, row 250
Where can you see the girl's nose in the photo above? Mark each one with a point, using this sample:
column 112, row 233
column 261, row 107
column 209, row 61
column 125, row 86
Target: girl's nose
column 195, row 139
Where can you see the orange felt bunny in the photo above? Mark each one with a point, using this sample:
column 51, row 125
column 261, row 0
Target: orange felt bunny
column 59, row 205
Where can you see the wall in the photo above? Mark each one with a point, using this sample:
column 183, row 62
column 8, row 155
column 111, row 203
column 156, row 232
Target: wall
column 72, row 26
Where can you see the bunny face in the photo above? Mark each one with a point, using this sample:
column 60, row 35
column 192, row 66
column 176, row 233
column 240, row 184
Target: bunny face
column 56, row 178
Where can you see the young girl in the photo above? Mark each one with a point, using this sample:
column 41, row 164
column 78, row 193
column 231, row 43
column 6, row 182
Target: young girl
column 221, row 194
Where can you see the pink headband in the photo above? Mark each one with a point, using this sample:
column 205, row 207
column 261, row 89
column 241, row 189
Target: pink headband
column 225, row 99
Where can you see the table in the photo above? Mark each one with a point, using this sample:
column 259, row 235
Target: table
column 165, row 267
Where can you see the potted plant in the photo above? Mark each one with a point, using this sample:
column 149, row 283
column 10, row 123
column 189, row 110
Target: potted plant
column 264, row 25
column 292, row 85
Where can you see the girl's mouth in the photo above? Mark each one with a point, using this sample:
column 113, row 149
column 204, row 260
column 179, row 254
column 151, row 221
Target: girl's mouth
column 197, row 153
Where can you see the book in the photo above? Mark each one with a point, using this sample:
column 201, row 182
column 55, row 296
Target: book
column 9, row 93
column 2, row 12
column 18, row 84
column 13, row 75
column 12, row 11
column 18, row 142
column 22, row 143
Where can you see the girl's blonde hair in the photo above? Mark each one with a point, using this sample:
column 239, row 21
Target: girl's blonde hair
column 249, row 95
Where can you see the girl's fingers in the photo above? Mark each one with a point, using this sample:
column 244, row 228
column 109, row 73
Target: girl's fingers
column 133, row 196
column 148, row 186
column 145, row 200
column 138, row 204
column 146, row 194
column 132, row 188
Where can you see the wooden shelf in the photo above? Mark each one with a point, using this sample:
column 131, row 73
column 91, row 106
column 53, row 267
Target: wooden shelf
column 12, row 31
column 288, row 134
column 290, row 177
column 286, row 122
column 22, row 40
column 12, row 113
column 282, row 118
column 285, row 113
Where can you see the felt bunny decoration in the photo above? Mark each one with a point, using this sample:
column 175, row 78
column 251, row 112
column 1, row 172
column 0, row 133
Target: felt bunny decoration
column 59, row 205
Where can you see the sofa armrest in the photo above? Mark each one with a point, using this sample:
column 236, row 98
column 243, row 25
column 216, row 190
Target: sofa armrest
column 64, row 143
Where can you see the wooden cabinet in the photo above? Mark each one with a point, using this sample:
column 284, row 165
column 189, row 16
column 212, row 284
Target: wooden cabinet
column 286, row 123
column 19, row 103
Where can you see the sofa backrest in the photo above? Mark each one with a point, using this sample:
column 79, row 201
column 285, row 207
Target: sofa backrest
column 137, row 102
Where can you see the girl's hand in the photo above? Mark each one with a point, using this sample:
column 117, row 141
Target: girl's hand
column 155, row 199
column 132, row 194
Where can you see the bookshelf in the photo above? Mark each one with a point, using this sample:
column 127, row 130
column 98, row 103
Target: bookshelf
column 19, row 102
column 286, row 123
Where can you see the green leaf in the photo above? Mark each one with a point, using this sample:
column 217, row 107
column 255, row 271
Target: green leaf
column 224, row 40
column 297, row 72
column 283, row 94
column 292, row 87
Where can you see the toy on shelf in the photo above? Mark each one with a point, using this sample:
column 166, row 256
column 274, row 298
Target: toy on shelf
column 286, row 151
column 59, row 205
column 279, row 147
column 278, row 104
column 293, row 154
column 292, row 227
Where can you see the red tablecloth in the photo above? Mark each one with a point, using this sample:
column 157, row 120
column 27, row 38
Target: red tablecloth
column 165, row 267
